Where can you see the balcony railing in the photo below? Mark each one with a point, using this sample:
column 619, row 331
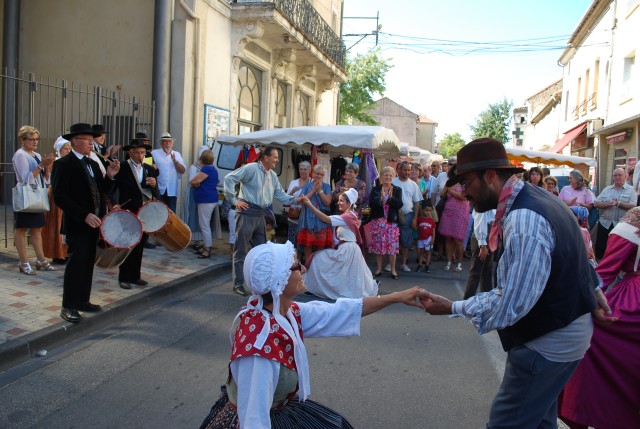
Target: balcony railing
column 305, row 18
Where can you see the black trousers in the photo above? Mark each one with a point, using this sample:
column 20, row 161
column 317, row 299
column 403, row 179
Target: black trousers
column 602, row 235
column 78, row 274
column 480, row 273
column 130, row 268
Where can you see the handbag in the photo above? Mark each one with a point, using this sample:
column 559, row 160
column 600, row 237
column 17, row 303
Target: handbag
column 30, row 199
column 440, row 205
column 293, row 213
column 401, row 219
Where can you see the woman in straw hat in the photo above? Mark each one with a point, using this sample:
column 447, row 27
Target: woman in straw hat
column 268, row 382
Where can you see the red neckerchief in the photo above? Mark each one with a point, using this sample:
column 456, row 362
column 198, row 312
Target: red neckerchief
column 496, row 229
column 278, row 347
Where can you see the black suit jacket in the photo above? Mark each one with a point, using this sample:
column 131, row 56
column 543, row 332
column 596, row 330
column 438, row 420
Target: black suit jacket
column 71, row 192
column 127, row 187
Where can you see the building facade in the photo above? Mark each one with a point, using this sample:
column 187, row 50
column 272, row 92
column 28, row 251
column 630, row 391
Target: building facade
column 601, row 87
column 210, row 66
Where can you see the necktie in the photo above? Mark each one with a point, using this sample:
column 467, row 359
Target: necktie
column 93, row 186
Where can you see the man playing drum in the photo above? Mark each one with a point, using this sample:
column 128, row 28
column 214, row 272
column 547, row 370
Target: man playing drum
column 135, row 184
column 77, row 186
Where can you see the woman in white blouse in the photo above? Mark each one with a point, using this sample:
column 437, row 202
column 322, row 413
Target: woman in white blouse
column 30, row 167
column 268, row 380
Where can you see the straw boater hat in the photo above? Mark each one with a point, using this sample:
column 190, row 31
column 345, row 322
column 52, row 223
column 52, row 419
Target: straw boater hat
column 482, row 154
column 77, row 129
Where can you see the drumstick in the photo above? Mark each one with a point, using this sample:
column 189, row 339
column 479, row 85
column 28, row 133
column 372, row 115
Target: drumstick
column 102, row 156
column 125, row 202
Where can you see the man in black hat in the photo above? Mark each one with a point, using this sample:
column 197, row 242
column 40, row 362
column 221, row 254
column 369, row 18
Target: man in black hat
column 78, row 188
column 135, row 185
column 541, row 305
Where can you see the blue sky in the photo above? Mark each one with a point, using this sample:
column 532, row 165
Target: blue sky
column 451, row 82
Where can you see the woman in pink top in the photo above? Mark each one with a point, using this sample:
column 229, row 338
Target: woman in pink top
column 576, row 192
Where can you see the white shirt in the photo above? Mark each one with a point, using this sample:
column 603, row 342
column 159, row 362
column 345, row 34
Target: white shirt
column 410, row 193
column 441, row 182
column 168, row 177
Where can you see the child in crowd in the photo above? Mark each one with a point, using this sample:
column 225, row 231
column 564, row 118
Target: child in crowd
column 582, row 214
column 271, row 231
column 426, row 236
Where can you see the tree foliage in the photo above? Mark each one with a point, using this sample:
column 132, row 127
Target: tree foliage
column 450, row 145
column 366, row 79
column 494, row 122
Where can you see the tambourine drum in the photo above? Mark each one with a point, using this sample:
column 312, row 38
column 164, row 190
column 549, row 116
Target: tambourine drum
column 168, row 229
column 120, row 231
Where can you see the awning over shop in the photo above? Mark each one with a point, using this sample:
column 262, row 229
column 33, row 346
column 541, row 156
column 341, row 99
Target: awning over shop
column 568, row 137
column 522, row 155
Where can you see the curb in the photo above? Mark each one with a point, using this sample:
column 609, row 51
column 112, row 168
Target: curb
column 21, row 349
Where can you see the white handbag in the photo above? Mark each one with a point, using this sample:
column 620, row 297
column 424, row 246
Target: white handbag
column 30, row 198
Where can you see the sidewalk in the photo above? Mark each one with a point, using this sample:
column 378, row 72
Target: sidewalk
column 30, row 305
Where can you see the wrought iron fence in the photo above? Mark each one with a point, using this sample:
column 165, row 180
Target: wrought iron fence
column 52, row 105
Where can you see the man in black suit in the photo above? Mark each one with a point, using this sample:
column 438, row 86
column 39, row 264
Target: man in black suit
column 78, row 188
column 136, row 184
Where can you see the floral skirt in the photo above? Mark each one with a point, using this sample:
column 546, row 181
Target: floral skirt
column 322, row 239
column 385, row 237
column 295, row 415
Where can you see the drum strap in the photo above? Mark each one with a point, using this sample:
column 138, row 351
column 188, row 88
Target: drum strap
column 146, row 193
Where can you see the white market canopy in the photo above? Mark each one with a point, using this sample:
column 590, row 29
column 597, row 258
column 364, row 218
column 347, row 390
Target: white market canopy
column 343, row 138
column 538, row 157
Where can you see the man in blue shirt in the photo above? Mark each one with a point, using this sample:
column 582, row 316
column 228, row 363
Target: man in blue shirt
column 259, row 185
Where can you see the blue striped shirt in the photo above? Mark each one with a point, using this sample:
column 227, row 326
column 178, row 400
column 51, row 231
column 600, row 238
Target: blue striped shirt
column 522, row 272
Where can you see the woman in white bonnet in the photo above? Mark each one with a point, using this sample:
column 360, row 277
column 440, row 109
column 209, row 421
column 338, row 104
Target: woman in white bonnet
column 340, row 272
column 52, row 241
column 268, row 382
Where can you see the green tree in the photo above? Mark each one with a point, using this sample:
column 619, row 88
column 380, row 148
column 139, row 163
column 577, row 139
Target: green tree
column 494, row 122
column 366, row 79
column 450, row 145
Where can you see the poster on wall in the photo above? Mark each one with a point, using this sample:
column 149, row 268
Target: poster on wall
column 216, row 122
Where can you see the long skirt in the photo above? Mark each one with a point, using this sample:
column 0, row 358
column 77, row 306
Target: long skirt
column 52, row 243
column 340, row 273
column 294, row 415
column 604, row 392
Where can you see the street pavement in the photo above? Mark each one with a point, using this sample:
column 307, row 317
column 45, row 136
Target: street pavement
column 30, row 305
column 162, row 367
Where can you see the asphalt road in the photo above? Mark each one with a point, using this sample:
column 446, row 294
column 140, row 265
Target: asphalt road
column 163, row 368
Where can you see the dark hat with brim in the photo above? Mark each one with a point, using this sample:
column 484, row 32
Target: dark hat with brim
column 482, row 154
column 136, row 143
column 99, row 129
column 78, row 129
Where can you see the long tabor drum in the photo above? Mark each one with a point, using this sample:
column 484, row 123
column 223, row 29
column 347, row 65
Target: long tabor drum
column 121, row 231
column 170, row 231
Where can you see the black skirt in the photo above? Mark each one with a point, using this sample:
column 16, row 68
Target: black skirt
column 28, row 220
column 295, row 415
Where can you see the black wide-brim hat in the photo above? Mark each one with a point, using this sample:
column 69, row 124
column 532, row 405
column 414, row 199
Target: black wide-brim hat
column 98, row 128
column 77, row 129
column 482, row 154
column 136, row 143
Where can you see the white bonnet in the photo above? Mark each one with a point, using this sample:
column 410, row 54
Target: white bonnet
column 267, row 268
column 59, row 144
column 352, row 195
